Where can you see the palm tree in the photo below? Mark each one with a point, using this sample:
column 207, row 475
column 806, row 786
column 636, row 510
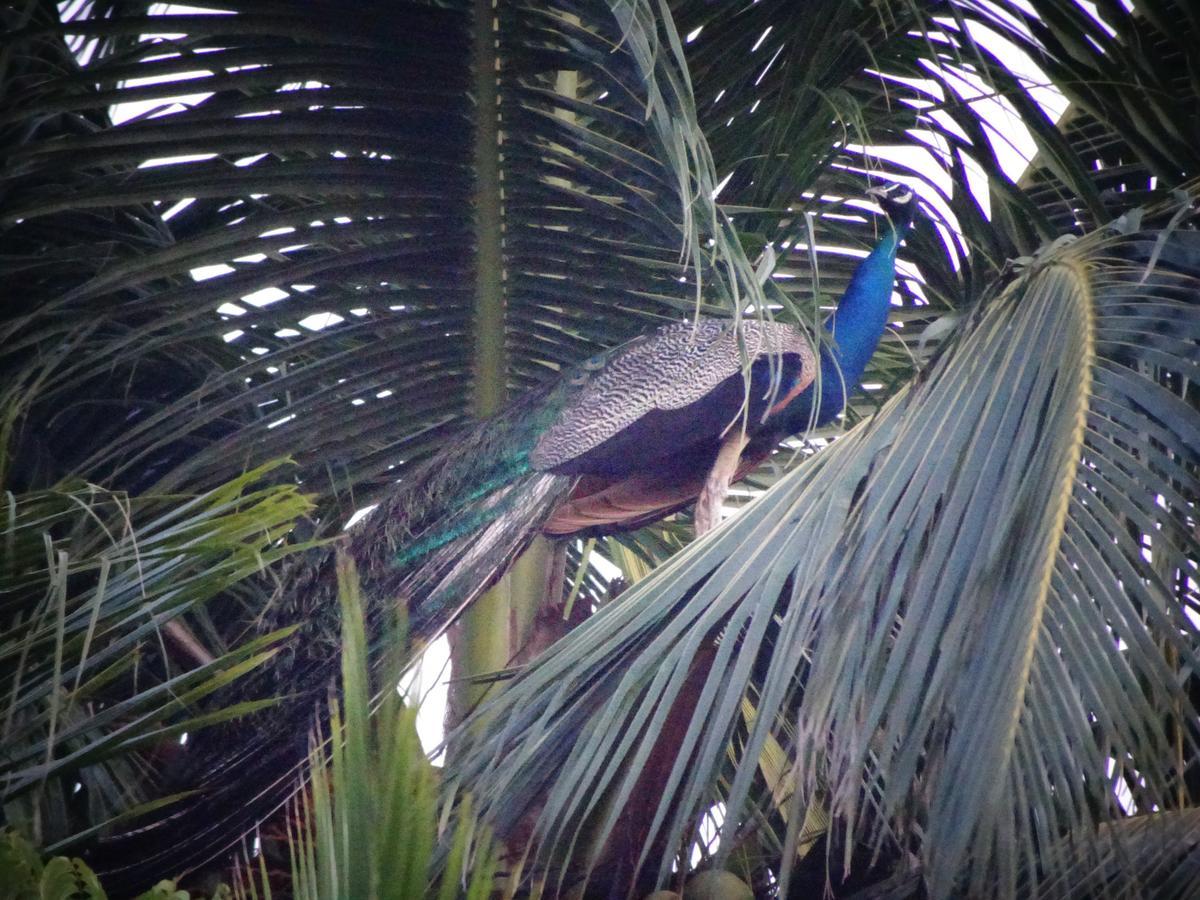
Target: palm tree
column 939, row 646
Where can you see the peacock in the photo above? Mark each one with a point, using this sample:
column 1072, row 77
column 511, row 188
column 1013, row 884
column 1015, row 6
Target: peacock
column 622, row 440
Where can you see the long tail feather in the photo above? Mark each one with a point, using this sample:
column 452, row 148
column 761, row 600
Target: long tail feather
column 470, row 511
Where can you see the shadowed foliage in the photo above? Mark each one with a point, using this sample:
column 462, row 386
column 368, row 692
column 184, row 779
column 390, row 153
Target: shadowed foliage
column 947, row 645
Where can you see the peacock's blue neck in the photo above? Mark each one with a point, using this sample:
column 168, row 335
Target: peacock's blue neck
column 857, row 324
column 856, row 327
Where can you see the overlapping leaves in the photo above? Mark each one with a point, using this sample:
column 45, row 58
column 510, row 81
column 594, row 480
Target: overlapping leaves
column 93, row 663
column 338, row 176
column 955, row 619
column 317, row 191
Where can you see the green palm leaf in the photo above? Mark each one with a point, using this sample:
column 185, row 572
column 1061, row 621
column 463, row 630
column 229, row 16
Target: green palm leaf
column 374, row 771
column 1148, row 855
column 951, row 605
column 304, row 244
column 335, row 172
column 94, row 667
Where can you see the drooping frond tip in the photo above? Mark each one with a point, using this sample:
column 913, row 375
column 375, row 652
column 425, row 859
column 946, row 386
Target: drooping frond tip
column 969, row 612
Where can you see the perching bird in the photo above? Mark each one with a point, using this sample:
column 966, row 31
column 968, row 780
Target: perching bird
column 621, row 441
column 624, row 439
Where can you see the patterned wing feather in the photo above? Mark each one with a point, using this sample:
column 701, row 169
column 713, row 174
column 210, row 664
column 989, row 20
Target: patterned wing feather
column 681, row 385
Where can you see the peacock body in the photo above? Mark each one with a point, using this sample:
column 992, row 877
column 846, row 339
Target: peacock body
column 622, row 440
column 625, row 423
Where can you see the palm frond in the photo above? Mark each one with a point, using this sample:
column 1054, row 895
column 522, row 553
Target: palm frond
column 1151, row 855
column 294, row 243
column 374, row 771
column 952, row 605
column 805, row 105
column 94, row 667
column 296, row 246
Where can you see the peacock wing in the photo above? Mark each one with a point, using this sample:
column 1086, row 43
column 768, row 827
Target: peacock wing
column 681, row 386
column 601, row 505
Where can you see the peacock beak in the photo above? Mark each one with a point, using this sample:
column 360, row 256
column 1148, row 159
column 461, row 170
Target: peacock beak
column 896, row 201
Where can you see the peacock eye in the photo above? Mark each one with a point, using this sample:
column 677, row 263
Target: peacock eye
column 596, row 362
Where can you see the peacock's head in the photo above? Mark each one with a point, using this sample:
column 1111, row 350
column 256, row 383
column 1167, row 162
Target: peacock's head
column 899, row 203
